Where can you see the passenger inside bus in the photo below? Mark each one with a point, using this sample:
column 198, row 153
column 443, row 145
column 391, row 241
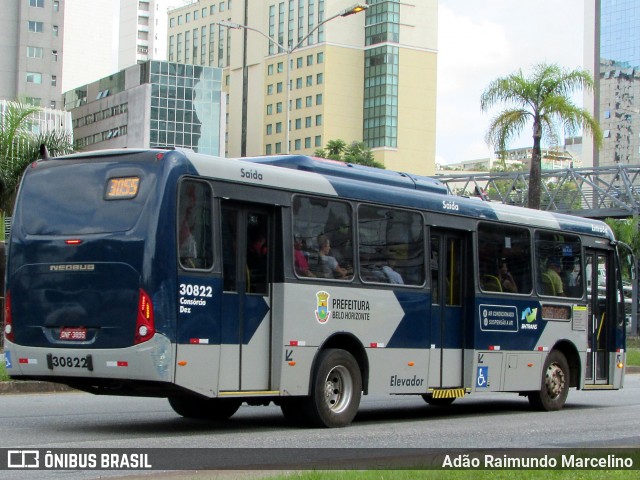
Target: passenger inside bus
column 391, row 274
column 507, row 282
column 572, row 277
column 380, row 270
column 329, row 265
column 300, row 261
column 551, row 280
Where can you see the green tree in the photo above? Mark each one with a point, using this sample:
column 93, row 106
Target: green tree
column 355, row 152
column 543, row 98
column 19, row 146
column 335, row 149
column 626, row 230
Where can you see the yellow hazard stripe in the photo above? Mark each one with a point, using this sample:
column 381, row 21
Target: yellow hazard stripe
column 449, row 393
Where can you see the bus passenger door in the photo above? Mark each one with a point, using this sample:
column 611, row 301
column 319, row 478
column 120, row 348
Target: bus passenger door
column 247, row 230
column 601, row 322
column 447, row 326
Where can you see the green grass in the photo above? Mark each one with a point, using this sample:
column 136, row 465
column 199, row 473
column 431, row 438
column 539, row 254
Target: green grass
column 633, row 351
column 3, row 373
column 456, row 475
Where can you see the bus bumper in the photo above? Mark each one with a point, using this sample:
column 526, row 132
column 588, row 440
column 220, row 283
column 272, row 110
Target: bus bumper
column 151, row 361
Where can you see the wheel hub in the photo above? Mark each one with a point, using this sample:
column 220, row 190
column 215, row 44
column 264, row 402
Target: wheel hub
column 554, row 380
column 338, row 389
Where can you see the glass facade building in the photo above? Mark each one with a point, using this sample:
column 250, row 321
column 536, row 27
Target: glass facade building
column 382, row 27
column 152, row 104
column 619, row 81
column 185, row 106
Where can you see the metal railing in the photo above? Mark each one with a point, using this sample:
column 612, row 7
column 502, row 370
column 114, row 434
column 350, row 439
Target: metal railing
column 594, row 192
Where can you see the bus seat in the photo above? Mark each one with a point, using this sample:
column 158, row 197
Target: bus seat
column 490, row 283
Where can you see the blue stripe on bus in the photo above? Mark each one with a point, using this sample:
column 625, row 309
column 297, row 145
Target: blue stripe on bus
column 413, row 330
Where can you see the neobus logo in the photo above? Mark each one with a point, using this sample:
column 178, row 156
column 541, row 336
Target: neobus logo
column 75, row 267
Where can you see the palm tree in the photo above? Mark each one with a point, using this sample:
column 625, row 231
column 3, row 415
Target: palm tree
column 356, row 152
column 335, row 148
column 19, row 147
column 544, row 99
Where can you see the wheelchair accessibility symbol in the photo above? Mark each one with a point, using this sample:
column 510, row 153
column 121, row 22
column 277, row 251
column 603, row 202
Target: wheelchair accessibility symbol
column 482, row 377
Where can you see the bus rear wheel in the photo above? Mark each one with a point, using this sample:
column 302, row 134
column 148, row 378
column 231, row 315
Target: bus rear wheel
column 336, row 390
column 205, row 408
column 555, row 384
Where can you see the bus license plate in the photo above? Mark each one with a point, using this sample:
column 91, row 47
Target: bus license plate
column 69, row 361
column 75, row 333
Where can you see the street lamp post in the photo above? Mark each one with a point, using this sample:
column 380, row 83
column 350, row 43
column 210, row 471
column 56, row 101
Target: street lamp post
column 357, row 8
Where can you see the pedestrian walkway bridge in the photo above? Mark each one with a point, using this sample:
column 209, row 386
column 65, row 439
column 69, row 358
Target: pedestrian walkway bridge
column 593, row 192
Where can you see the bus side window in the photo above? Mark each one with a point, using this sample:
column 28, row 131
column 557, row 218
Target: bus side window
column 559, row 259
column 504, row 259
column 195, row 244
column 317, row 218
column 391, row 246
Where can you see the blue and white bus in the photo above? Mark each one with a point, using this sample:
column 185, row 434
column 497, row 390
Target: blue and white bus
column 302, row 282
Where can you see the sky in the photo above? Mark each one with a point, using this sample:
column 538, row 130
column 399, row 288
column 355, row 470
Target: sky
column 481, row 40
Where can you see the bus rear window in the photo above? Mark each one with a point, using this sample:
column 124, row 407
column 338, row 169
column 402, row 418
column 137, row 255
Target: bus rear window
column 81, row 199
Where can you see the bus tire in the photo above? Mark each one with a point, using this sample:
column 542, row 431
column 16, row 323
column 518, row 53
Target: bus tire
column 335, row 391
column 555, row 384
column 437, row 402
column 205, row 409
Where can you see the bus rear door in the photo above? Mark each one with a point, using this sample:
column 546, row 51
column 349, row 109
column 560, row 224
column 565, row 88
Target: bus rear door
column 247, row 249
column 601, row 317
column 447, row 329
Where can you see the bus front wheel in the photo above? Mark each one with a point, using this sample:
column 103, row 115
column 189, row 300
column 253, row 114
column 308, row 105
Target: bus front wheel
column 205, row 408
column 336, row 390
column 555, row 384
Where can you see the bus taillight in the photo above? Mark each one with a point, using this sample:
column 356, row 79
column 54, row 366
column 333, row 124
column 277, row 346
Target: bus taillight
column 8, row 323
column 145, row 327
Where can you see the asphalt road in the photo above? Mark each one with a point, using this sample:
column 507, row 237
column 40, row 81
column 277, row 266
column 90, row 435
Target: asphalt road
column 79, row 420
column 491, row 420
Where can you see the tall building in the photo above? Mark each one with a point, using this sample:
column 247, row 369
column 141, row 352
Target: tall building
column 105, row 36
column 152, row 104
column 143, row 31
column 612, row 51
column 31, row 37
column 365, row 77
column 51, row 46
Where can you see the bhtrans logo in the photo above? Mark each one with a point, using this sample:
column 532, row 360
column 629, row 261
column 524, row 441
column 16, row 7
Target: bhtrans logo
column 72, row 267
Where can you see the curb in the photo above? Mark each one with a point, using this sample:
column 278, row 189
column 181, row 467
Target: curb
column 27, row 386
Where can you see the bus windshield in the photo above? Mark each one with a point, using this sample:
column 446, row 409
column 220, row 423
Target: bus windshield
column 80, row 199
